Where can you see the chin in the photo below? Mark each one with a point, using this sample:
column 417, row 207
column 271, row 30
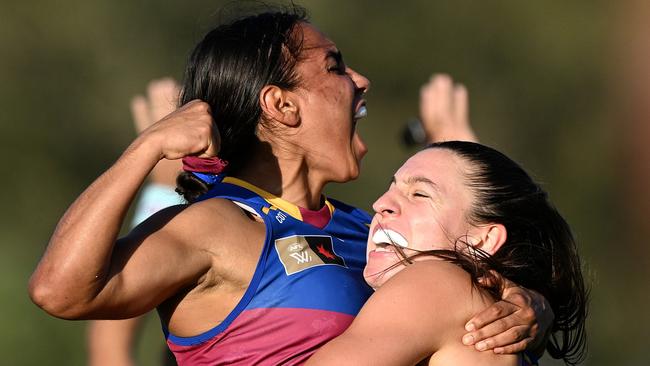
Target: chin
column 373, row 281
column 355, row 169
column 377, row 274
column 352, row 174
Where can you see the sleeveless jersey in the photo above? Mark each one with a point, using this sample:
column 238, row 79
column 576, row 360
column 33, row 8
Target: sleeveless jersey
column 307, row 287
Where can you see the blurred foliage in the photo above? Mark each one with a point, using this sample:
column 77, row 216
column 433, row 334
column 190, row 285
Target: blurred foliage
column 535, row 71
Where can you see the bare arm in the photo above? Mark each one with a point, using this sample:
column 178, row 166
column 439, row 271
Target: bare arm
column 400, row 324
column 82, row 274
column 414, row 315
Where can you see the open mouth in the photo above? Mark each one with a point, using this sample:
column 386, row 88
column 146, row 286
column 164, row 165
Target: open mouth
column 387, row 237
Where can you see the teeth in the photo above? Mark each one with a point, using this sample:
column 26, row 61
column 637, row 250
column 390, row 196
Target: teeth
column 389, row 237
column 361, row 112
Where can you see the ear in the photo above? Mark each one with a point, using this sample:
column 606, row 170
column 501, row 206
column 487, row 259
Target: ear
column 489, row 238
column 279, row 105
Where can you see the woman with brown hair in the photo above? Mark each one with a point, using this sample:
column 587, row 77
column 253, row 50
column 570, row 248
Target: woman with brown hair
column 457, row 212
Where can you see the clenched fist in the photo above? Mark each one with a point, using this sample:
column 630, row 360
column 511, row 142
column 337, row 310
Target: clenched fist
column 189, row 130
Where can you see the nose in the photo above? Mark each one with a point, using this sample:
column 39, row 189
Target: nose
column 361, row 82
column 386, row 205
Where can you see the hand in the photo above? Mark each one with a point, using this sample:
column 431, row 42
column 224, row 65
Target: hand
column 161, row 99
column 444, row 110
column 189, row 130
column 520, row 321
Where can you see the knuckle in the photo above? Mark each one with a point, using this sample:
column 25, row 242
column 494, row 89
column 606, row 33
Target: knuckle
column 517, row 334
column 528, row 314
column 517, row 298
column 201, row 106
column 534, row 329
column 478, row 335
column 497, row 310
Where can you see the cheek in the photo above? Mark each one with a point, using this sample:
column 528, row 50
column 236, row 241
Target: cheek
column 430, row 235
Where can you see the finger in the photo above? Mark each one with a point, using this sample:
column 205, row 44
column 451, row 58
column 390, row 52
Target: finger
column 490, row 330
column 140, row 113
column 495, row 312
column 460, row 104
column 429, row 104
column 432, row 104
column 443, row 86
column 490, row 279
column 210, row 152
column 215, row 142
column 513, row 348
column 517, row 296
column 511, row 336
column 507, row 284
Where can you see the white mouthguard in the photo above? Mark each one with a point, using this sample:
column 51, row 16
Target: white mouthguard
column 389, row 237
column 361, row 112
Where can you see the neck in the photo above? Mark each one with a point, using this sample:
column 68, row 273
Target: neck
column 287, row 177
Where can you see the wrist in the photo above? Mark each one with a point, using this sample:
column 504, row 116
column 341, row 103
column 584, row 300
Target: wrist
column 146, row 146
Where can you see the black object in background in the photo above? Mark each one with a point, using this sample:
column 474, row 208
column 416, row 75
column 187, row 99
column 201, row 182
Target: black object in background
column 413, row 133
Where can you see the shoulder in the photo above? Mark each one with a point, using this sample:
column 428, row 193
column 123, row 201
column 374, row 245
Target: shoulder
column 435, row 275
column 198, row 224
column 433, row 297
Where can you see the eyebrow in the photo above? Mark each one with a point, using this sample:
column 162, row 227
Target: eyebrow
column 419, row 179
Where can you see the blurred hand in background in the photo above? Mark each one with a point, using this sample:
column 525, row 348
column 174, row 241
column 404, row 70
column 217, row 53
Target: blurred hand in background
column 444, row 110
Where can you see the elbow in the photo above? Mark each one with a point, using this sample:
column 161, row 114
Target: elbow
column 53, row 301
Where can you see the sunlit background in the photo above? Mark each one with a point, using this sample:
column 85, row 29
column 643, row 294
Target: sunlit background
column 561, row 87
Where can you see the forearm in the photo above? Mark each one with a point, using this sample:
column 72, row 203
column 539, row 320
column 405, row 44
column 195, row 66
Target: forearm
column 75, row 265
column 110, row 342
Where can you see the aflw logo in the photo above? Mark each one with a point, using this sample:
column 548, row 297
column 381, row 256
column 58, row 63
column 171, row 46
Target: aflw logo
column 302, row 257
column 301, row 252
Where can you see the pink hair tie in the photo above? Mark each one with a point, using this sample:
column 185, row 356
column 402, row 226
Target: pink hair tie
column 204, row 165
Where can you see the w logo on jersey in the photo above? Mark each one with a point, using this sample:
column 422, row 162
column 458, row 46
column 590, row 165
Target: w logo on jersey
column 300, row 252
column 302, row 257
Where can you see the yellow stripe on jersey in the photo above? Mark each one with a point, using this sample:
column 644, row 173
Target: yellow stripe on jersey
column 274, row 200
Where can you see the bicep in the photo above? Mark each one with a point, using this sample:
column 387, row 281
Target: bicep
column 147, row 266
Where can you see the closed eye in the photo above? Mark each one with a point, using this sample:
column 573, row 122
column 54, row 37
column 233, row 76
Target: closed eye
column 339, row 65
column 339, row 69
